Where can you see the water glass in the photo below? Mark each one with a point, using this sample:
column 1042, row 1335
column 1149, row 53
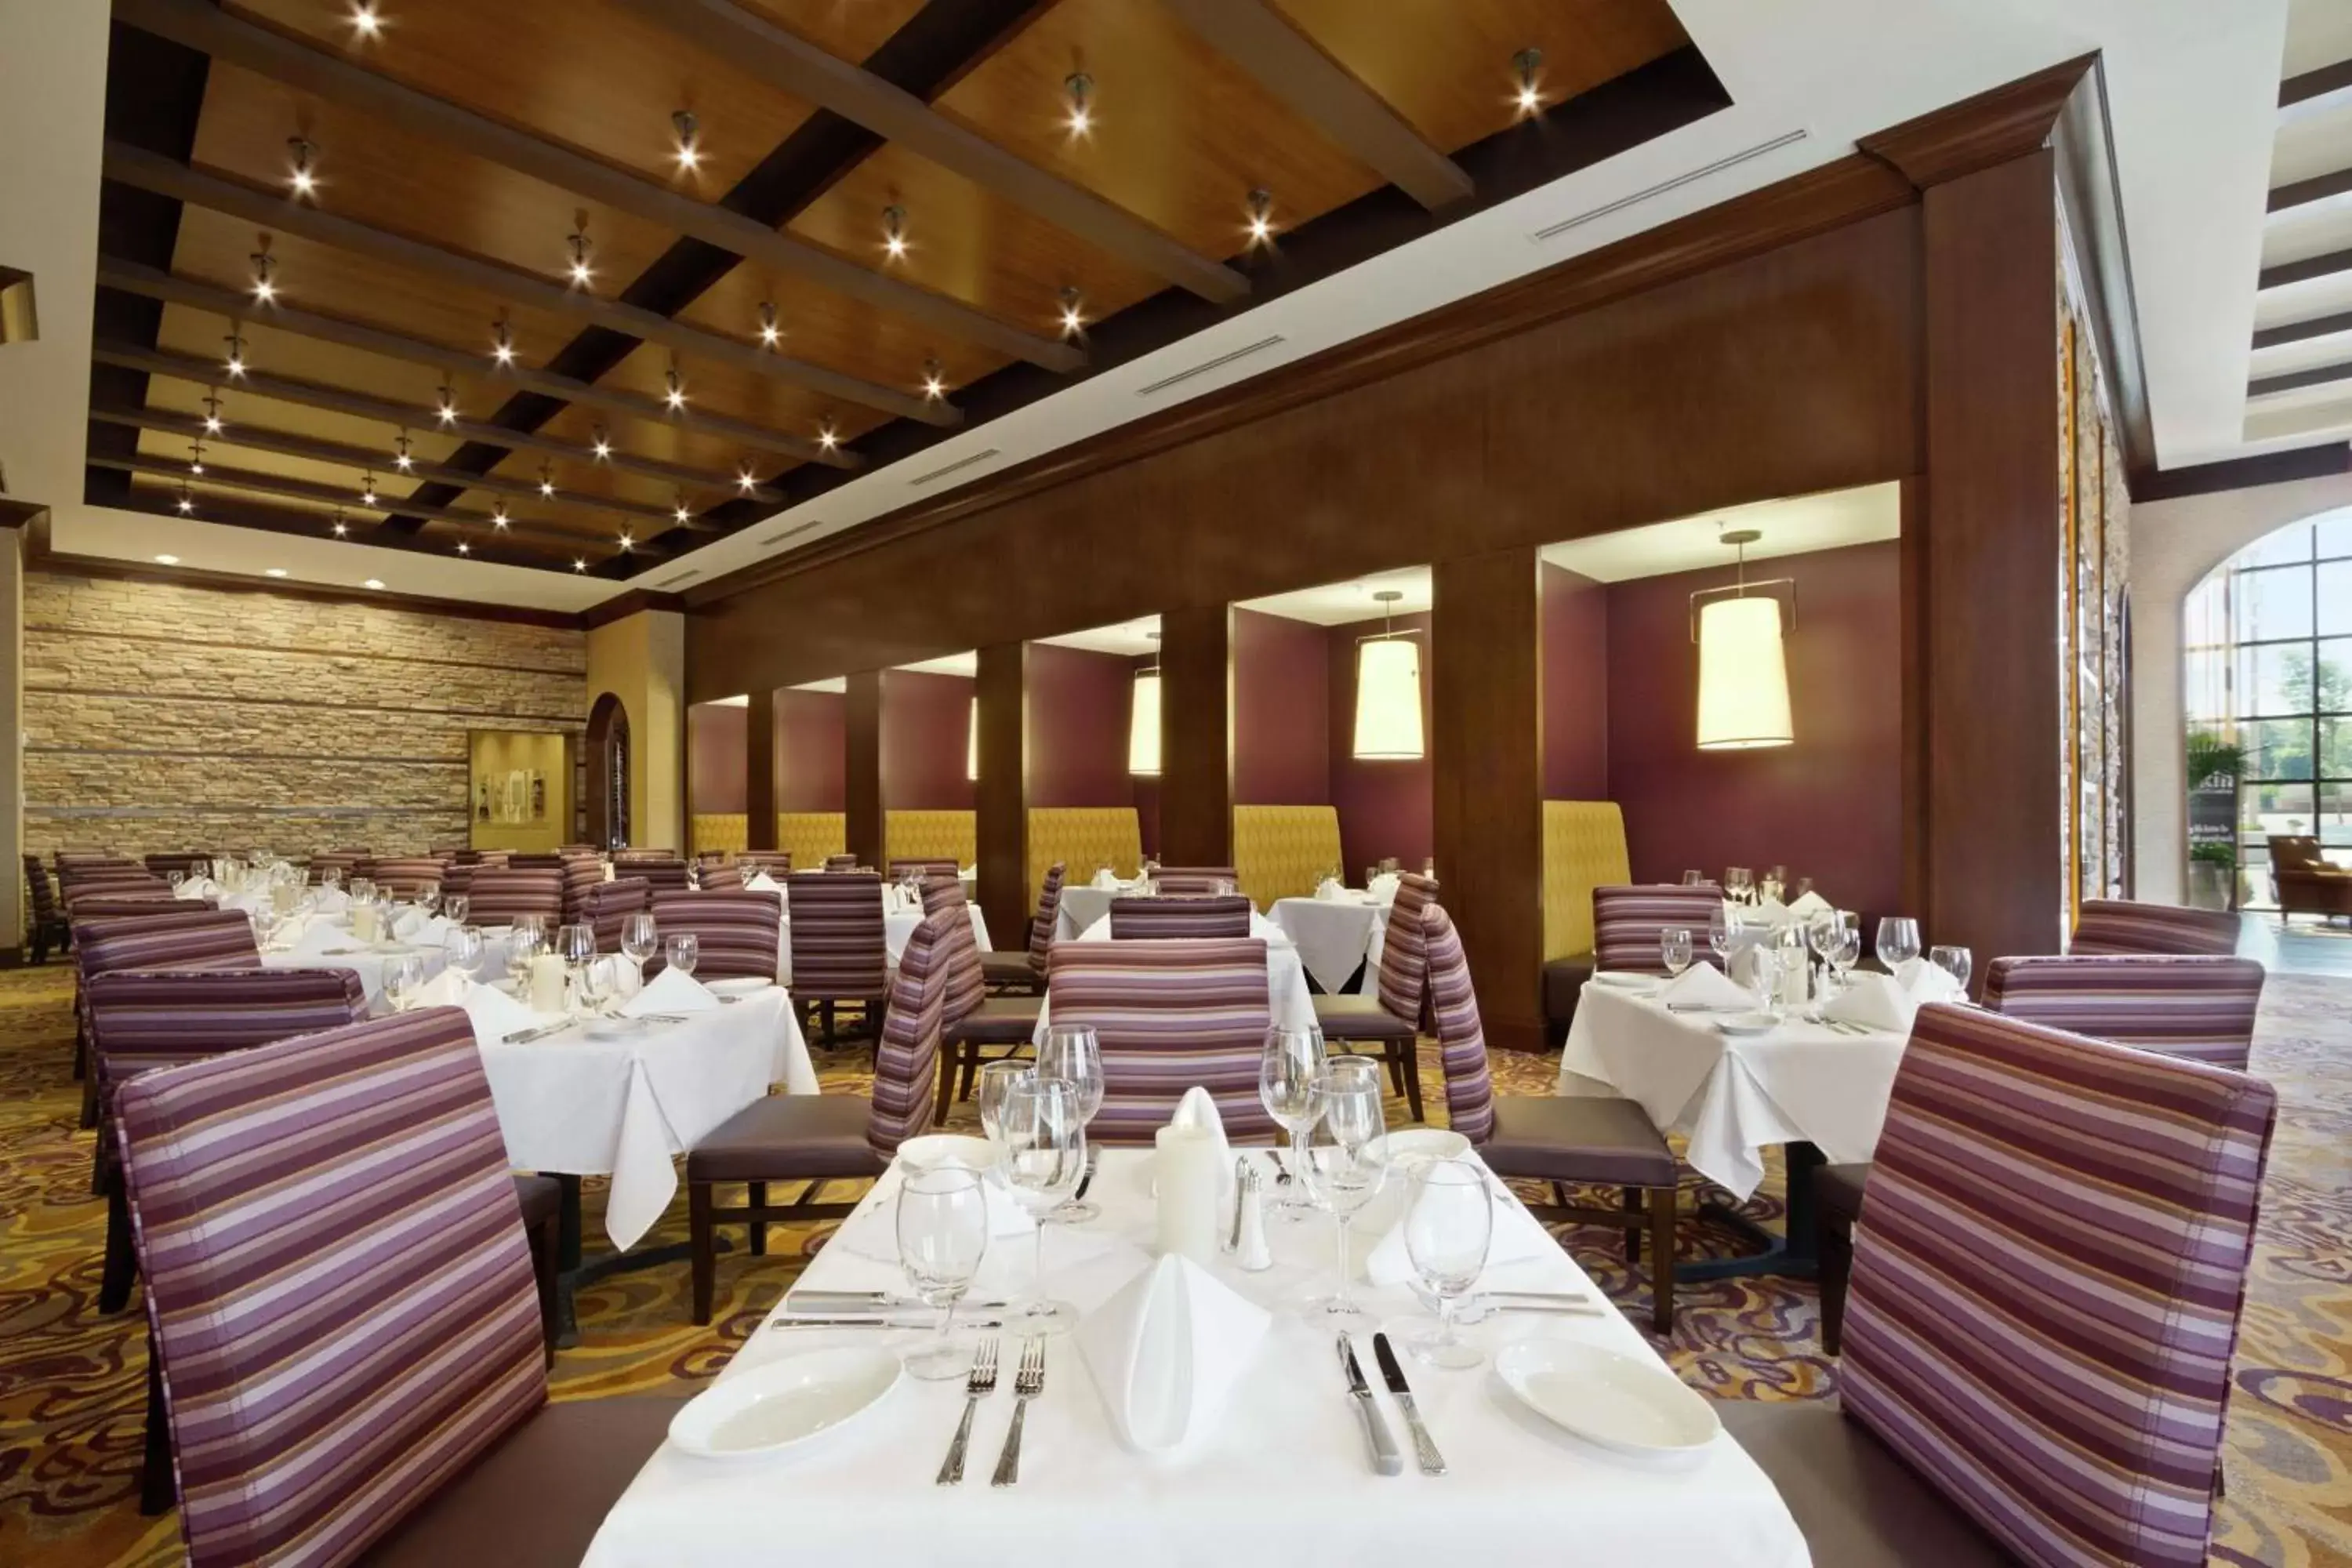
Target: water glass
column 942, row 1223
column 640, row 938
column 456, row 905
column 403, row 977
column 682, row 951
column 1287, row 1071
column 1071, row 1053
column 363, row 889
column 1955, row 962
column 1449, row 1224
column 463, row 946
column 1899, row 941
column 996, row 1080
column 1737, row 880
column 1346, row 1163
column 1674, row 948
column 1044, row 1158
column 1722, row 931
column 428, row 897
column 523, row 945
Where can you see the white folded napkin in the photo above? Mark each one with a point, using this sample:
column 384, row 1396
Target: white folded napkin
column 970, row 873
column 1874, row 1000
column 331, row 901
column 1167, row 1350
column 414, row 925
column 1808, row 904
column 1705, row 986
column 760, row 882
column 1767, row 912
column 1329, row 890
column 1106, row 880
column 1924, row 981
column 1388, row 1262
column 197, row 888
column 447, row 989
column 1383, row 887
column 671, row 991
column 495, row 1013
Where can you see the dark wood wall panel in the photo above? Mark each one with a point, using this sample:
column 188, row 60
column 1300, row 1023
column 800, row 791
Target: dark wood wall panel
column 1003, row 824
column 1196, row 737
column 862, row 768
column 759, row 770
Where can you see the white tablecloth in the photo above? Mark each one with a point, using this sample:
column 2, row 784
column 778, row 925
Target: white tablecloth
column 1084, row 904
column 368, row 964
column 571, row 1105
column 1285, row 978
column 896, row 931
column 1281, row 1478
column 1335, row 935
column 1733, row 1096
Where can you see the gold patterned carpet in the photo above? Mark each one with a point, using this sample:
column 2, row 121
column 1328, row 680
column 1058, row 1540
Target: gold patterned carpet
column 72, row 1382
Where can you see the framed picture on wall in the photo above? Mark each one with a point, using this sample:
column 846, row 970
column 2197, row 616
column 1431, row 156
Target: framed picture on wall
column 516, row 788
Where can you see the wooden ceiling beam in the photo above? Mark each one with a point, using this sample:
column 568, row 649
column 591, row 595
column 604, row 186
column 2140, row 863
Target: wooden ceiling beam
column 142, row 170
column 253, row 438
column 1289, row 65
column 282, row 488
column 793, row 65
column 400, row 416
column 199, row 24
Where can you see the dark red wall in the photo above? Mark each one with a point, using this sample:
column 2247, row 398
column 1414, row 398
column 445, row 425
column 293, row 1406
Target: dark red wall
column 1385, row 806
column 1080, row 704
column 714, row 774
column 811, row 751
column 926, row 729
column 1282, row 694
column 1828, row 807
column 1575, row 625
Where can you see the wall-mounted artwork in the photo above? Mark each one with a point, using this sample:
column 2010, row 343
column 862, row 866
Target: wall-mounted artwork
column 518, row 789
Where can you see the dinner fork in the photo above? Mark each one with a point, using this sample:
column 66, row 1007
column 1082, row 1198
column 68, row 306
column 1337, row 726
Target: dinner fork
column 978, row 1385
column 1028, row 1383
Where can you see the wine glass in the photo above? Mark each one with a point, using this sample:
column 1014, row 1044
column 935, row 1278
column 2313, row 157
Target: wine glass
column 1674, row 948
column 1292, row 1062
column 1449, row 1223
column 640, row 939
column 1763, row 963
column 1848, row 950
column 1722, row 931
column 575, row 944
column 682, row 951
column 403, row 976
column 456, row 905
column 1346, row 1163
column 463, row 946
column 1955, row 962
column 523, row 945
column 428, row 896
column 1735, row 882
column 996, row 1080
column 330, row 877
column 363, row 889
column 1072, row 1053
column 1899, row 941
column 1823, row 934
column 173, row 879
column 942, row 1235
column 1044, row 1158
column 200, row 869
column 1694, row 878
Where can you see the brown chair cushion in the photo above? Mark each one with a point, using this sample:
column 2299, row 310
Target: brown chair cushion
column 541, row 1198
column 1360, row 1019
column 536, row 1499
column 1569, row 1138
column 1564, row 981
column 1858, row 1505
column 999, row 1021
column 1837, row 1193
column 788, row 1137
column 1009, row 968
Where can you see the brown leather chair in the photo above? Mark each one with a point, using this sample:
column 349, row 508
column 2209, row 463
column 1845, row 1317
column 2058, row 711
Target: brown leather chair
column 1857, row 1503
column 2307, row 883
column 1389, row 1020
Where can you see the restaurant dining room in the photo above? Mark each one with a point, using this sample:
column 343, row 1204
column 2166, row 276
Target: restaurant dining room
column 925, row 780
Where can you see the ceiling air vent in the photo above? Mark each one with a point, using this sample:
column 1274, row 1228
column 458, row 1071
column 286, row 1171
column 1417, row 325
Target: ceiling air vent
column 1730, row 160
column 1205, row 367
column 957, row 467
column 681, row 578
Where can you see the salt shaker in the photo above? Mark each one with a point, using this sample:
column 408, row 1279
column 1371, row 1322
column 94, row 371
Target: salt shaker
column 1252, row 1252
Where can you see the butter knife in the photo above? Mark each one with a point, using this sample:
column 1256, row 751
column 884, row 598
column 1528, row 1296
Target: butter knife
column 1387, row 1461
column 1424, row 1448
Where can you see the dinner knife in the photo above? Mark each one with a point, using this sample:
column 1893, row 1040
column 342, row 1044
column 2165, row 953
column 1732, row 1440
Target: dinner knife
column 835, row 1302
column 1424, row 1448
column 1387, row 1461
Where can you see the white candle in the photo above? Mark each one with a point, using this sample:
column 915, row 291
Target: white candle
column 547, row 973
column 363, row 923
column 1184, row 1172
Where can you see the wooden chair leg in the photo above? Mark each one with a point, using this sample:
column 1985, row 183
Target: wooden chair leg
column 1404, row 1060
column 1661, row 1259
column 967, row 1079
column 122, row 1259
column 951, row 1053
column 1833, row 1243
column 1633, row 1233
column 703, row 1248
column 543, row 1245
column 158, row 1486
column 759, row 1194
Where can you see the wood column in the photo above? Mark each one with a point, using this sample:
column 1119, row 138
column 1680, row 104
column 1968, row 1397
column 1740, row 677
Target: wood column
column 1196, row 750
column 759, row 771
column 1483, row 666
column 1005, row 896
column 861, row 779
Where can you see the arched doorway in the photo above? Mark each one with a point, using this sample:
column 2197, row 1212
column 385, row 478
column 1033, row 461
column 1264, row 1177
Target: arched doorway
column 608, row 772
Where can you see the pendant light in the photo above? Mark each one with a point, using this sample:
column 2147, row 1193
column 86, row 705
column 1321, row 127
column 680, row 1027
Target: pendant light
column 1743, row 670
column 1144, row 721
column 1388, row 691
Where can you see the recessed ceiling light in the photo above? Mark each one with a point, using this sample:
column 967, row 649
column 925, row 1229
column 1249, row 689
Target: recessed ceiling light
column 372, row 583
column 688, row 152
column 274, row 572
column 363, row 18
column 167, row 561
column 1527, row 63
column 1080, row 120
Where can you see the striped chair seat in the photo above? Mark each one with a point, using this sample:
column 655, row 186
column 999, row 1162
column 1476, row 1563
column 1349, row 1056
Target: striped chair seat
column 2047, row 1279
column 329, row 1359
column 1626, row 921
column 579, row 874
column 837, row 947
column 1169, row 1016
column 607, row 907
column 1181, row 881
column 2120, row 926
column 721, row 879
column 406, row 876
column 737, row 934
column 1165, row 918
column 500, row 895
column 2199, row 1007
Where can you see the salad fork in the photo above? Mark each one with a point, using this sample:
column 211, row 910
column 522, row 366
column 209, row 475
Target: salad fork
column 1028, row 1383
column 977, row 1386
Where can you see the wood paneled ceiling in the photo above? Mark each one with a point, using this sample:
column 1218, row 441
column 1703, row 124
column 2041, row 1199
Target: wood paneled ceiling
column 452, row 150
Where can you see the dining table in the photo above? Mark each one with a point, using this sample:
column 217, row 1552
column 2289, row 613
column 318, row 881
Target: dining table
column 1278, row 1476
column 1084, row 904
column 1338, row 936
column 1287, row 997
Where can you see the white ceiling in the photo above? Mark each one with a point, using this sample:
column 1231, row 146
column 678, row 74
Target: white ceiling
column 1789, row 527
column 2311, row 138
column 1128, row 637
column 1337, row 604
column 2191, row 89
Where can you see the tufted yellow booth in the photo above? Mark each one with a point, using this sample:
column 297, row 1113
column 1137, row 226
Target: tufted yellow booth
column 1283, row 851
column 1083, row 836
column 811, row 836
column 1583, row 848
column 930, row 836
column 719, row 832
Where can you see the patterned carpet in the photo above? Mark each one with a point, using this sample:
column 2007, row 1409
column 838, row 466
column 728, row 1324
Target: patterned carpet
column 72, row 1382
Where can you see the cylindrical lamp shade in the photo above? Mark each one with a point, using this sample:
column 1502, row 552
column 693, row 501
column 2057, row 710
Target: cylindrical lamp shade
column 971, row 743
column 1143, row 726
column 1387, row 699
column 1743, row 675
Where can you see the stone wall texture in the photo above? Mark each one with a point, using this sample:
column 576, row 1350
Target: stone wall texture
column 166, row 717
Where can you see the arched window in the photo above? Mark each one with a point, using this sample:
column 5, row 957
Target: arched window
column 2267, row 661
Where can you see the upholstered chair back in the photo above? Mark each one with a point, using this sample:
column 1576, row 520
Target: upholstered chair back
column 1194, row 881
column 106, row 902
column 499, row 895
column 1049, row 912
column 1626, row 921
column 37, row 881
column 1167, row 1015
column 901, row 870
column 580, row 874
column 1461, row 1036
column 1404, row 956
column 2199, row 1007
column 738, row 935
column 775, row 862
column 404, row 876
column 837, row 947
column 172, row 938
column 1167, row 919
column 2120, row 926
column 908, row 1058
column 607, row 907
column 144, row 1019
column 663, row 875
column 966, row 987
column 841, row 862
column 128, row 882
column 183, row 861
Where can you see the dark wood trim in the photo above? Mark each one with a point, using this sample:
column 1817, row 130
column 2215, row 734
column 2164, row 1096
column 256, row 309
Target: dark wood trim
column 759, row 770
column 863, row 804
column 1917, row 799
column 2305, row 270
column 2303, row 193
column 1002, row 799
column 44, row 559
column 2090, row 191
column 1196, row 743
column 2243, row 473
column 2313, row 84
column 1979, row 132
column 2304, row 331
column 20, row 514
column 240, row 511
column 621, row 606
column 2292, row 381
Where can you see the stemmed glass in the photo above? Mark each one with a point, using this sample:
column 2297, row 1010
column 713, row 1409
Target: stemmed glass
column 1674, row 948
column 403, row 978
column 1072, row 1053
column 1449, row 1223
column 454, row 906
column 173, row 879
column 1044, row 1155
column 1736, row 881
column 996, row 1080
column 523, row 945
column 1824, row 933
column 942, row 1236
column 1722, row 933
column 640, row 939
column 363, row 890
column 1343, row 1171
column 463, row 945
column 428, row 897
column 1955, row 962
column 682, row 951
column 330, row 877
column 1287, row 1072
column 1899, row 941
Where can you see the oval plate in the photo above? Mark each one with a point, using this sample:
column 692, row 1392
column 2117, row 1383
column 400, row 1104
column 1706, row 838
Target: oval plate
column 1604, row 1397
column 784, row 1403
column 1748, row 1023
column 1626, row 980
column 740, row 986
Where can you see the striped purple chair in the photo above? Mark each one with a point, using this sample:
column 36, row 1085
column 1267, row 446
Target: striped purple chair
column 841, row 862
column 1627, row 920
column 640, row 853
column 343, row 862
column 821, row 1138
column 2198, row 1007
column 501, row 895
column 183, row 861
column 607, row 907
column 1195, row 882
column 1390, row 1021
column 720, row 878
column 361, row 1368
column 1565, row 1140
column 971, row 1019
column 2111, row 926
column 837, row 943
column 663, row 875
column 776, row 863
column 406, row 876
column 2045, row 1296
column 46, row 926
column 925, row 869
column 107, row 901
column 176, row 936
column 1167, row 1015
column 737, row 934
column 580, row 874
column 1170, row 919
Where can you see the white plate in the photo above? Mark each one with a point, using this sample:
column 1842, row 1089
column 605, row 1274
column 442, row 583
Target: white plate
column 1416, row 1145
column 1605, row 1397
column 738, row 986
column 1748, row 1023
column 1624, row 980
column 785, row 1402
column 935, row 1149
